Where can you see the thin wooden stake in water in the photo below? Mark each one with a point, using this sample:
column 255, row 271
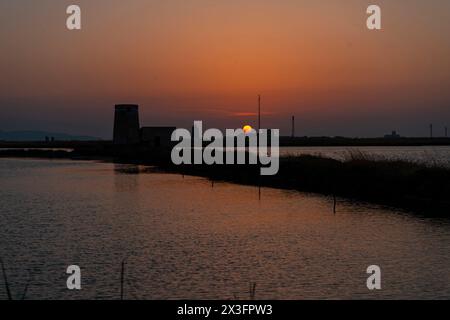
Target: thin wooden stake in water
column 259, row 188
column 334, row 203
column 252, row 290
column 122, row 274
column 5, row 279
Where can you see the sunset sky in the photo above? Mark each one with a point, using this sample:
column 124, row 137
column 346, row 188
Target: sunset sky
column 186, row 60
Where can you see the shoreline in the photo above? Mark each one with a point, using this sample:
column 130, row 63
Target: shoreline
column 400, row 184
column 284, row 142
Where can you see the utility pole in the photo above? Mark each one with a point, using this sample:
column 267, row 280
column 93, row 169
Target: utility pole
column 259, row 112
column 293, row 126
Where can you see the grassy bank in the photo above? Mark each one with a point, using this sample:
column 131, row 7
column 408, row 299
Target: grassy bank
column 401, row 184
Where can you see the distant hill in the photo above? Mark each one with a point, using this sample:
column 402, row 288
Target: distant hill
column 41, row 136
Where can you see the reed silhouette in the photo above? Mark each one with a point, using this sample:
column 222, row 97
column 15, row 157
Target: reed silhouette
column 398, row 183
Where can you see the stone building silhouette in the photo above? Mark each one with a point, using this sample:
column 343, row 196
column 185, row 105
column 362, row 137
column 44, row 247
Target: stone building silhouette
column 126, row 124
column 127, row 130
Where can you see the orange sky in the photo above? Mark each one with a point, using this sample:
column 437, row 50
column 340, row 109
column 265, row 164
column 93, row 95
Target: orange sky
column 208, row 60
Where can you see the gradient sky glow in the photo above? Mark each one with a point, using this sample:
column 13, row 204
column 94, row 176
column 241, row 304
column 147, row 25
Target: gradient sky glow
column 185, row 60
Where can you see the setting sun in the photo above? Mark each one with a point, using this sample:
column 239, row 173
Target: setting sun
column 247, row 129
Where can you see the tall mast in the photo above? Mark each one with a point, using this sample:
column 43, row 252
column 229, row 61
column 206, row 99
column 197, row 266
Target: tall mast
column 293, row 127
column 259, row 112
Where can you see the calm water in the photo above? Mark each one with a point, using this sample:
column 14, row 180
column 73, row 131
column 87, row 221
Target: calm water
column 184, row 239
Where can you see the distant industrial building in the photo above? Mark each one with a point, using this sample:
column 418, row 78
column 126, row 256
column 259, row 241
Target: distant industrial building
column 127, row 129
column 157, row 136
column 393, row 135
